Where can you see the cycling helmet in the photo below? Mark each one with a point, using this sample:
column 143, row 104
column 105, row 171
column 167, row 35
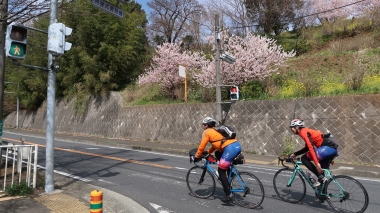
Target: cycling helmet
column 297, row 122
column 209, row 121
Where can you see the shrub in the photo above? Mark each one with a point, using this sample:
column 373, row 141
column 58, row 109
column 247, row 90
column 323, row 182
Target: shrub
column 137, row 95
column 354, row 80
column 252, row 90
column 371, row 84
column 21, row 189
column 288, row 147
column 201, row 94
column 332, row 88
column 292, row 89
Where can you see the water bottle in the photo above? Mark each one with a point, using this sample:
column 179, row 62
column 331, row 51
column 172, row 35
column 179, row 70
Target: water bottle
column 309, row 176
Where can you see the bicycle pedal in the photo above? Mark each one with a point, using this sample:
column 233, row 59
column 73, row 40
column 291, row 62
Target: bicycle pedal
column 319, row 200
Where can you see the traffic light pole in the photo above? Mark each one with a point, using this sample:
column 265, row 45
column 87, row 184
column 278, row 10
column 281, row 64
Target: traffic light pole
column 218, row 84
column 3, row 26
column 50, row 114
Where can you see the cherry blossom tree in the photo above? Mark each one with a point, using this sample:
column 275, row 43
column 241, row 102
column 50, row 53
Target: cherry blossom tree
column 331, row 10
column 164, row 67
column 367, row 5
column 256, row 58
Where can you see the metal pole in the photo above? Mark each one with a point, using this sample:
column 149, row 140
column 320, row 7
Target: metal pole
column 50, row 112
column 218, row 85
column 18, row 104
column 3, row 29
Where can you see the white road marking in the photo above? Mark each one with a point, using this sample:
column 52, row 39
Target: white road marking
column 157, row 179
column 345, row 167
column 181, row 168
column 111, row 147
column 104, row 181
column 366, row 179
column 68, row 175
column 92, row 148
column 159, row 208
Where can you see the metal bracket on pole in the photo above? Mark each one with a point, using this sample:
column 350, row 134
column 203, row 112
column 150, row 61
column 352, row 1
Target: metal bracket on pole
column 31, row 28
column 15, row 62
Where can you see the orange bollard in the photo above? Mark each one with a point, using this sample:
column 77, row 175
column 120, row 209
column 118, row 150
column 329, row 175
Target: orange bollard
column 96, row 201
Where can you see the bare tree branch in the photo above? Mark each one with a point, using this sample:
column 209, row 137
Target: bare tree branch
column 171, row 18
column 22, row 11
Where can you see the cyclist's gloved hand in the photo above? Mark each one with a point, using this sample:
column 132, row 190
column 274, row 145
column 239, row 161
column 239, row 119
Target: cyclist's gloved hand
column 197, row 159
column 204, row 153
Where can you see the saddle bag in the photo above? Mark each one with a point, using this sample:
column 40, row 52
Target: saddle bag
column 239, row 159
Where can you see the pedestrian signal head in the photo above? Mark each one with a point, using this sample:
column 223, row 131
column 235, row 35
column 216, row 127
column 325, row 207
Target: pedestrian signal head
column 234, row 93
column 16, row 42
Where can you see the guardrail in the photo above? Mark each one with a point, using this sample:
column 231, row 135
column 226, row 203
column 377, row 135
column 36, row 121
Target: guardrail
column 11, row 170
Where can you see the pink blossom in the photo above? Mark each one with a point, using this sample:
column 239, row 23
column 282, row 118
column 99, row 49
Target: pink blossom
column 256, row 58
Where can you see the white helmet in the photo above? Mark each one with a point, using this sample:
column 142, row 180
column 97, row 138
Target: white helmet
column 209, row 121
column 297, row 122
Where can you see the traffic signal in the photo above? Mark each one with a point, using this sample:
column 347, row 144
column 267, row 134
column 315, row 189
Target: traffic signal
column 234, row 93
column 15, row 42
column 56, row 39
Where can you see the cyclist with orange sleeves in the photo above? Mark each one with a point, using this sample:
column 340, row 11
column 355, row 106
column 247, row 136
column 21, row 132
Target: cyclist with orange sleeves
column 225, row 149
column 319, row 148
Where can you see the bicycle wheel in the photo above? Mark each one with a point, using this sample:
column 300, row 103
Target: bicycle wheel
column 253, row 194
column 200, row 182
column 354, row 198
column 293, row 193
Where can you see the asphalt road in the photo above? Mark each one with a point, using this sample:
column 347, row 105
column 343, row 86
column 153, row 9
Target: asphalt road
column 157, row 181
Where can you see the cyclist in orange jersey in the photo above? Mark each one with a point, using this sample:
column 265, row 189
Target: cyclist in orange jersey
column 225, row 149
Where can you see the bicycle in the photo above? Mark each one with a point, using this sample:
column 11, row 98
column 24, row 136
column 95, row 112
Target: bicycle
column 246, row 187
column 340, row 191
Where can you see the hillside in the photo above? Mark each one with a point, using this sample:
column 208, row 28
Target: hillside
column 337, row 63
column 335, row 58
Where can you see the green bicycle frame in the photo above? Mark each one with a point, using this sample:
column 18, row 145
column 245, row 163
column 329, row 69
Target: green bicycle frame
column 319, row 193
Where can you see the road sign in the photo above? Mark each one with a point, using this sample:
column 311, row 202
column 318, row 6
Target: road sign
column 182, row 71
column 108, row 7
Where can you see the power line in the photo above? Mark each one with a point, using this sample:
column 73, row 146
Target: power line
column 257, row 25
column 325, row 11
column 337, row 8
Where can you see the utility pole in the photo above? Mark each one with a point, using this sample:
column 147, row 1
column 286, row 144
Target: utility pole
column 50, row 112
column 3, row 29
column 18, row 104
column 217, row 60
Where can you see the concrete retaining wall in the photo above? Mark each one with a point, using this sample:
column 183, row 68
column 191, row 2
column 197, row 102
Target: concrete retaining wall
column 262, row 126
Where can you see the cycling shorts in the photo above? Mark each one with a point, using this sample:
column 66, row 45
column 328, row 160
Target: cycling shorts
column 229, row 154
column 324, row 152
